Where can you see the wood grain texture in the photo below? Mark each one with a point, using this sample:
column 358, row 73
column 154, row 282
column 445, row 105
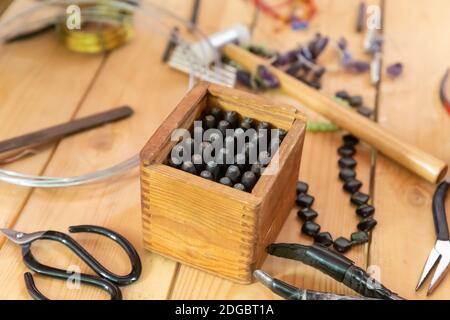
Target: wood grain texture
column 207, row 225
column 38, row 89
column 4, row 6
column 131, row 75
column 410, row 107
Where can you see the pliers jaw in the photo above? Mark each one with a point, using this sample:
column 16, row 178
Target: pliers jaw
column 439, row 255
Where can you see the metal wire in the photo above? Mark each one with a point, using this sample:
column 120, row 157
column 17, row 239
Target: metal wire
column 92, row 44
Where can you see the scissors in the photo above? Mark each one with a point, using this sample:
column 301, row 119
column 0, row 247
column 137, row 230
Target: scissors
column 105, row 279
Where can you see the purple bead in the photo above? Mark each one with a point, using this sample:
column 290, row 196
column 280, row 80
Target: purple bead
column 342, row 44
column 244, row 78
column 395, row 70
column 269, row 80
column 356, row 66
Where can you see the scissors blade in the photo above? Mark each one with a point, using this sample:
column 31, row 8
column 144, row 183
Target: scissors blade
column 21, row 238
column 431, row 261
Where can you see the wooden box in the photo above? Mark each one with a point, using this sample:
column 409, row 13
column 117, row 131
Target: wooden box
column 207, row 225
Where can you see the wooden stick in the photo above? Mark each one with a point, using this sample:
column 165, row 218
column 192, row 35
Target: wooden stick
column 423, row 164
column 60, row 131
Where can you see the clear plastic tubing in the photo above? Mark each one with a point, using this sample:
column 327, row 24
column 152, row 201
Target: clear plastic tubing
column 150, row 12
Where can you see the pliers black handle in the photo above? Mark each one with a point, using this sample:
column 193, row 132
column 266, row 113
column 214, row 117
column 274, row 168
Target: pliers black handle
column 439, row 214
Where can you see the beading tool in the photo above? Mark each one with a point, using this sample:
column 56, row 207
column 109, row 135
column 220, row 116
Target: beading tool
column 336, row 266
column 441, row 250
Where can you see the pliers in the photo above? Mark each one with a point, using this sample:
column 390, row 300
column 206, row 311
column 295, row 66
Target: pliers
column 441, row 250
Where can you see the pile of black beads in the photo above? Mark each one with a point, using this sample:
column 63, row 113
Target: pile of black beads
column 230, row 167
column 351, row 185
column 356, row 102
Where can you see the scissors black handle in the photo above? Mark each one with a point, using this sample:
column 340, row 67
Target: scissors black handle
column 105, row 280
column 439, row 214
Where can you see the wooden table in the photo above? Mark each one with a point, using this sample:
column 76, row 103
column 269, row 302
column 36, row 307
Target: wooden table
column 42, row 84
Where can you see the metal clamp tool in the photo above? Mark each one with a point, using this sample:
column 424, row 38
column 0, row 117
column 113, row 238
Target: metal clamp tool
column 441, row 250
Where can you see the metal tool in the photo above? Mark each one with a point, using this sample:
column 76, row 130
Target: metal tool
column 11, row 148
column 441, row 250
column 194, row 14
column 289, row 292
column 105, row 279
column 336, row 266
column 202, row 60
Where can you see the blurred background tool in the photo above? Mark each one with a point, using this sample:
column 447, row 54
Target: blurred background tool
column 15, row 148
column 289, row 292
column 210, row 68
column 194, row 14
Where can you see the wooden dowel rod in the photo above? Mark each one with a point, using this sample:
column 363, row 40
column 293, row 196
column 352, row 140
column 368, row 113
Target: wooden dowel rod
column 423, row 164
column 65, row 129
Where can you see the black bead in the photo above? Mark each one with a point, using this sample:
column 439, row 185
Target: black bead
column 346, row 151
column 249, row 180
column 233, row 173
column 359, row 198
column 226, row 181
column 302, row 187
column 189, row 167
column 342, row 245
column 214, row 168
column 257, row 169
column 207, row 175
column 239, row 186
column 343, row 95
column 197, row 160
column 365, row 210
column 304, row 200
column 360, row 237
column 217, row 113
column 352, row 185
column 355, row 101
column 347, row 162
column 367, row 224
column 347, row 174
column 263, row 126
column 310, row 228
column 364, row 111
column 324, row 238
column 232, row 118
column 247, row 123
column 210, row 121
column 350, row 140
column 307, row 214
column 223, row 126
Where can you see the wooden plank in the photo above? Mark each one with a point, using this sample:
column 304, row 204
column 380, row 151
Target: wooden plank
column 38, row 88
column 131, row 75
column 319, row 161
column 4, row 6
column 410, row 107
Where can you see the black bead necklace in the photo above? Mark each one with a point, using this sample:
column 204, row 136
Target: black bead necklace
column 365, row 211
